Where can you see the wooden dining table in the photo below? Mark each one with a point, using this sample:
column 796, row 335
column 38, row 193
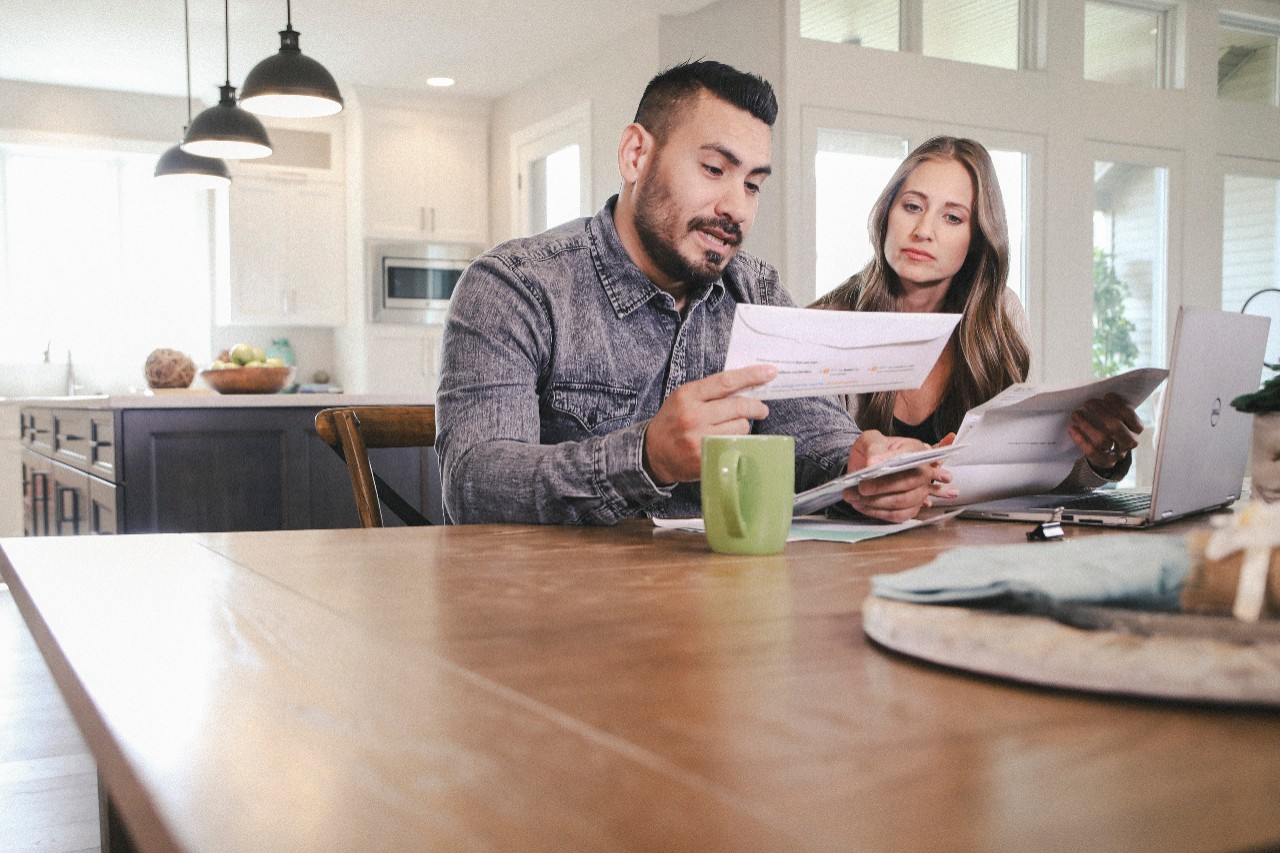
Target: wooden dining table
column 624, row 688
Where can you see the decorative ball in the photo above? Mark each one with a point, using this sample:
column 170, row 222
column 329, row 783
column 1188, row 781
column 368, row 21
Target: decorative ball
column 168, row 368
column 321, row 377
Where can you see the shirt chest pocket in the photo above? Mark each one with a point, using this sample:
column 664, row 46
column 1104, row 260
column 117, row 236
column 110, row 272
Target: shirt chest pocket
column 586, row 408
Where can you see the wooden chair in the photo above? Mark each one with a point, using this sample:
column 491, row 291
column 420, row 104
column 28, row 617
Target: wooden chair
column 352, row 430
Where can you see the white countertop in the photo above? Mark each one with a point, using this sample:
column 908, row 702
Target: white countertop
column 213, row 400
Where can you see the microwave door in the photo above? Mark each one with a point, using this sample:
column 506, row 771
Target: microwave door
column 443, row 281
column 406, row 286
column 416, row 286
column 415, row 289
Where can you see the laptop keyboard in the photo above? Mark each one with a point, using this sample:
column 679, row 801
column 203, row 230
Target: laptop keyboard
column 1122, row 502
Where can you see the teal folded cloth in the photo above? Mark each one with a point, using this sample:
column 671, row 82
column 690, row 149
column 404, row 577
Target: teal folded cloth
column 1122, row 569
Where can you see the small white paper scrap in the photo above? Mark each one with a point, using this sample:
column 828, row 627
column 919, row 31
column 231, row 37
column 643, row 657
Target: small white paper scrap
column 813, row 527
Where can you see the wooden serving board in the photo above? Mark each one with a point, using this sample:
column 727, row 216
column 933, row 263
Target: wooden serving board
column 1175, row 660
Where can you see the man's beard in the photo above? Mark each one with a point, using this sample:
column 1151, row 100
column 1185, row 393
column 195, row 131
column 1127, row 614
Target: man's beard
column 660, row 232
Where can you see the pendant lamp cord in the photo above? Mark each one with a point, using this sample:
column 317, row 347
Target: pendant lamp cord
column 186, row 25
column 288, row 14
column 226, row 10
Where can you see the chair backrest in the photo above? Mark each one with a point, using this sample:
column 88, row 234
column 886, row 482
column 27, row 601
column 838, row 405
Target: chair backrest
column 352, row 430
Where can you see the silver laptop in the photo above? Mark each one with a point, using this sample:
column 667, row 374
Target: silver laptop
column 1203, row 442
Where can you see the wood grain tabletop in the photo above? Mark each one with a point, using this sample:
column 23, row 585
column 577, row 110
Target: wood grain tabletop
column 549, row 688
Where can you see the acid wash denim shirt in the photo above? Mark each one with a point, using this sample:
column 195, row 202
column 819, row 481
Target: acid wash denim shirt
column 558, row 352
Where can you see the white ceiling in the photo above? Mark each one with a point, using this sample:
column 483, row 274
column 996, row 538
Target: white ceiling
column 489, row 46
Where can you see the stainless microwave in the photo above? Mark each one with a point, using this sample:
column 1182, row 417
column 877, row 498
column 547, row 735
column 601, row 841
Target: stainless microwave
column 413, row 283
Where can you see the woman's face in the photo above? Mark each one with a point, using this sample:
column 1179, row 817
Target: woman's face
column 930, row 225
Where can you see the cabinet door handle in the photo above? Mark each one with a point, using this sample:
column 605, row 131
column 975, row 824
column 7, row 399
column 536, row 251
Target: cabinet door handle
column 40, row 493
column 422, row 219
column 433, row 220
column 74, row 518
column 39, row 503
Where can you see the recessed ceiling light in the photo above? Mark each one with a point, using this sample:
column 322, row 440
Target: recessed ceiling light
column 440, row 81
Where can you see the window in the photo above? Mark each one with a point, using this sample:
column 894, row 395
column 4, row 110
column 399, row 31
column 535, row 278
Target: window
column 1247, row 68
column 985, row 32
column 1251, row 250
column 1011, row 172
column 99, row 259
column 867, row 23
column 852, row 168
column 1128, row 42
column 551, row 164
column 555, row 189
column 1129, row 275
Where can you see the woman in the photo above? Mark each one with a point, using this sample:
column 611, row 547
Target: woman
column 941, row 244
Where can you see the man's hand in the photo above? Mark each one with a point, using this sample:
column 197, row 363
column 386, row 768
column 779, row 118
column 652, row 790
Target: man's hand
column 896, row 497
column 673, row 441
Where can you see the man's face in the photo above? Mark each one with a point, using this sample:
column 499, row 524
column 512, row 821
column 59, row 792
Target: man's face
column 698, row 195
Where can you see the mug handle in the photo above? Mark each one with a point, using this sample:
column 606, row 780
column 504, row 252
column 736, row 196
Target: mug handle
column 730, row 502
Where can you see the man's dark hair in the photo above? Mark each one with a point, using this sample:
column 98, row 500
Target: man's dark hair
column 671, row 90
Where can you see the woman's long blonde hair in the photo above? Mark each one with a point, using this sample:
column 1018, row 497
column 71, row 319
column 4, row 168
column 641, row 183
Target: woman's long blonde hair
column 989, row 353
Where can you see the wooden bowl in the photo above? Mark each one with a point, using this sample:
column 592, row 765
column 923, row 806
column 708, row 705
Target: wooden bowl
column 248, row 380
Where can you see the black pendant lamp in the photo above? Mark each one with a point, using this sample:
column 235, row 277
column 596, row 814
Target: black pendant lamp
column 226, row 130
column 176, row 166
column 289, row 84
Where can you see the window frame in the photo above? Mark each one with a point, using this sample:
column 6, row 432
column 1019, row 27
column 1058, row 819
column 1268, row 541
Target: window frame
column 1170, row 258
column 1254, row 25
column 1242, row 167
column 1169, row 68
column 1032, row 34
column 534, row 142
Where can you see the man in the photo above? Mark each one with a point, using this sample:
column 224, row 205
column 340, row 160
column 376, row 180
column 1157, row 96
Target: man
column 583, row 366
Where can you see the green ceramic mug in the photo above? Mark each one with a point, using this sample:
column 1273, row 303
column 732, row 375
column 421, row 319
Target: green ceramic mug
column 748, row 488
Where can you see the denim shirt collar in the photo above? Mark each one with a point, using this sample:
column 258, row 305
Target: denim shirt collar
column 626, row 286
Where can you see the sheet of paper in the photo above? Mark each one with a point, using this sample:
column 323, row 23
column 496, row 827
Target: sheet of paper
column 815, row 527
column 821, row 497
column 836, row 352
column 1017, row 443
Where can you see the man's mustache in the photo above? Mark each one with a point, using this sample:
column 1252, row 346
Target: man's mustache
column 732, row 230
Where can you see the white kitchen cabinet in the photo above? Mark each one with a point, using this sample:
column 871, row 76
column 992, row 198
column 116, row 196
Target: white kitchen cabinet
column 12, row 487
column 287, row 252
column 426, row 175
column 402, row 359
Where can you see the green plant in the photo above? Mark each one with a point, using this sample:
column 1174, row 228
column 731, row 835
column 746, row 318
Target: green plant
column 1113, row 346
column 1265, row 399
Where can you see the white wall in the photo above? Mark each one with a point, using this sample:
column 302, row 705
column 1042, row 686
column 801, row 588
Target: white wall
column 612, row 80
column 40, row 108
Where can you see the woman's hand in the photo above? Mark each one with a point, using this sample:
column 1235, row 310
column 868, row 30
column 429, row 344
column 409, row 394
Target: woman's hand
column 1105, row 430
column 894, row 497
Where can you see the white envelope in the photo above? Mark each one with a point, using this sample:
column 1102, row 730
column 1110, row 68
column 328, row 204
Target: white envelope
column 836, row 352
